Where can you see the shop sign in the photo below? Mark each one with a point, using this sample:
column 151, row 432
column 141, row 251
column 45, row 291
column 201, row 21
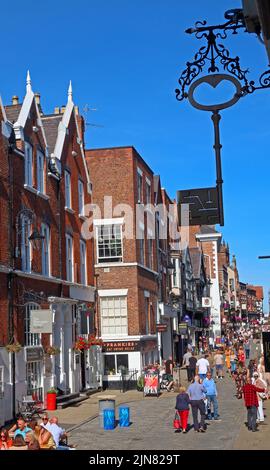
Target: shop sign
column 34, row 354
column 182, row 328
column 161, row 327
column 41, row 321
column 123, row 346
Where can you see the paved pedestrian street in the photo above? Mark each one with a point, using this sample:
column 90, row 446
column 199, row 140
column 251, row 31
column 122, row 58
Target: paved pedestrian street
column 152, row 427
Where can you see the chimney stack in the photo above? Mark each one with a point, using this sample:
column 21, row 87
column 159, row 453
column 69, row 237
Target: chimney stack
column 37, row 98
column 15, row 100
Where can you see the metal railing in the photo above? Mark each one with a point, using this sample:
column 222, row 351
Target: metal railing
column 126, row 377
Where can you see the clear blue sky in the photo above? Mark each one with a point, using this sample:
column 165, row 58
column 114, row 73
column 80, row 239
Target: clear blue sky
column 124, row 58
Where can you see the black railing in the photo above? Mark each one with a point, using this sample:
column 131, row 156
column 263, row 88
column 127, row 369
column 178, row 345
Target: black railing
column 126, row 378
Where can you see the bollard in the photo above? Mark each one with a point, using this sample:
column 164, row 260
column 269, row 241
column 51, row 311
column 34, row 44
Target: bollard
column 108, row 419
column 106, row 402
column 124, row 417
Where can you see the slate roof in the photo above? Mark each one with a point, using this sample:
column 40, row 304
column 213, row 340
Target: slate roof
column 50, row 124
column 12, row 112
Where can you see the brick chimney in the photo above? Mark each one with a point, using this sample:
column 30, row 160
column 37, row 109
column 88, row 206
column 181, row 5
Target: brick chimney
column 15, row 100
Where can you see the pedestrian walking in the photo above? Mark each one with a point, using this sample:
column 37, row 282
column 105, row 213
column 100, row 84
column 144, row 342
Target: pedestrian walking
column 182, row 407
column 192, row 366
column 202, row 366
column 196, row 392
column 211, row 395
column 260, row 383
column 251, row 403
column 228, row 358
column 233, row 360
column 219, row 363
column 185, row 363
column 247, row 348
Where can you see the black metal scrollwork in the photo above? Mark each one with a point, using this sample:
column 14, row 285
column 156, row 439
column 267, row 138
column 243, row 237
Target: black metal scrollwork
column 218, row 56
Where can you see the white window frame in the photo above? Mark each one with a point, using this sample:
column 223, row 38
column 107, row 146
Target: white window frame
column 68, row 189
column 69, row 261
column 45, row 250
column 26, row 248
column 110, row 329
column 83, row 262
column 81, row 196
column 141, row 247
column 100, row 246
column 40, row 172
column 28, row 164
column 147, row 191
column 30, row 339
column 139, row 186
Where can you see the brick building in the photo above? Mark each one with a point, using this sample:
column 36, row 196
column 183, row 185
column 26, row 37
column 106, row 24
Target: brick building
column 46, row 263
column 126, row 262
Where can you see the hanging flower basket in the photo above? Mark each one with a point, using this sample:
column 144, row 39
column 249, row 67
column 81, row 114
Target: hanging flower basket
column 93, row 341
column 81, row 344
column 52, row 351
column 14, row 347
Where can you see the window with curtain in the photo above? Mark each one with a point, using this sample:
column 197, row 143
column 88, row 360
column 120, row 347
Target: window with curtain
column 67, row 190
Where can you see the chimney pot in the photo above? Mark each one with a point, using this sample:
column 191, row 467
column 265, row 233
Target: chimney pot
column 37, row 98
column 63, row 109
column 57, row 110
column 15, row 99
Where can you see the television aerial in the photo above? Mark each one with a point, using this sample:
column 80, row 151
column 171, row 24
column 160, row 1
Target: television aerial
column 86, row 110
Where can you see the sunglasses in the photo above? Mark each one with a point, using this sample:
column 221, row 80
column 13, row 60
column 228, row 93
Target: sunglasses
column 3, row 436
column 45, row 419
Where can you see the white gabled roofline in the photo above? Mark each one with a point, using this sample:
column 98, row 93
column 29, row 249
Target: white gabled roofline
column 62, row 132
column 3, row 109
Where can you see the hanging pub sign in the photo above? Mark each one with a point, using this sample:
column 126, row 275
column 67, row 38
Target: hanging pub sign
column 182, row 328
column 41, row 321
column 266, row 349
column 161, row 327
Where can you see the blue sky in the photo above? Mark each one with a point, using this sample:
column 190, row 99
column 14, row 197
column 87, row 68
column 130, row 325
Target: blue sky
column 124, row 58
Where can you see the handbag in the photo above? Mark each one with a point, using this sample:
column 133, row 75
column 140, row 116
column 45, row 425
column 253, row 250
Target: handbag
column 176, row 421
column 263, row 396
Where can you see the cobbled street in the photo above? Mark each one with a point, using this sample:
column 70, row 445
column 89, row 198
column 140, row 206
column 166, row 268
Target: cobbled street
column 152, row 426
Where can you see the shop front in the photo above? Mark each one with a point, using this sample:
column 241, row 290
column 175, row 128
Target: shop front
column 123, row 361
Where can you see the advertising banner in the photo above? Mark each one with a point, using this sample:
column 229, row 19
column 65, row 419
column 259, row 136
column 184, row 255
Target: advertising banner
column 151, row 384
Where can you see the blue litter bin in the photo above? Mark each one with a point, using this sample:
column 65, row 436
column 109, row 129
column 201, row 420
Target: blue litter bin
column 108, row 419
column 124, row 421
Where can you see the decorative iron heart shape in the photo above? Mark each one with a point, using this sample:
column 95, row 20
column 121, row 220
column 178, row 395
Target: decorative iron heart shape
column 214, row 80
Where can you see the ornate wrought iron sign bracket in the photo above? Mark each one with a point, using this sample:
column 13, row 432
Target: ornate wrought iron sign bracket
column 213, row 57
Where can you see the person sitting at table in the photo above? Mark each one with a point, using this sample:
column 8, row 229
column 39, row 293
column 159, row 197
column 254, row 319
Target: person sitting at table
column 5, row 441
column 22, row 428
column 19, row 443
column 58, row 433
column 44, row 437
column 32, row 441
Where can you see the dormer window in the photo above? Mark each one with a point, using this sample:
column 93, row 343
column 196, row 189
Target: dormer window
column 40, row 171
column 28, row 164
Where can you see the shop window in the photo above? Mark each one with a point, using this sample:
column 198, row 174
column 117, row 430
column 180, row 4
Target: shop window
column 115, row 363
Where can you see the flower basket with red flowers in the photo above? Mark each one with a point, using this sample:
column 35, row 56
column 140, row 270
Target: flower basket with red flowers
column 81, row 344
column 93, row 341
